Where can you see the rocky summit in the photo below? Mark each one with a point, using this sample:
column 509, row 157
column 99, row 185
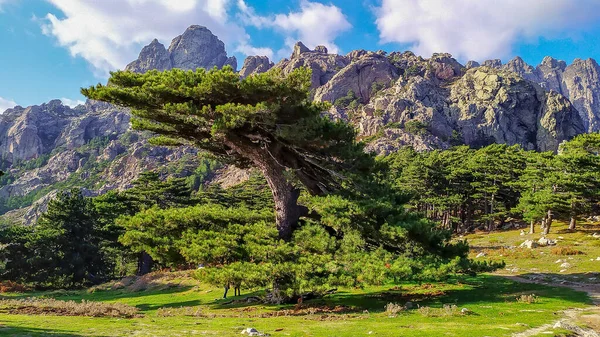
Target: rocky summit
column 393, row 99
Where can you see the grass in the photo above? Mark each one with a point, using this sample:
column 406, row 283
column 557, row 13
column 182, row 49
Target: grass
column 578, row 249
column 197, row 310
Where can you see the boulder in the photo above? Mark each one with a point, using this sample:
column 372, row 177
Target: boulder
column 546, row 242
column 529, row 244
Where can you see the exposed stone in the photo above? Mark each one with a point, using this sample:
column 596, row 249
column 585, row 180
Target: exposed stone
column 299, row 49
column 359, row 77
column 546, row 242
column 496, row 63
column 198, row 47
column 153, row 56
column 529, row 244
column 472, row 64
column 255, row 65
column 321, row 49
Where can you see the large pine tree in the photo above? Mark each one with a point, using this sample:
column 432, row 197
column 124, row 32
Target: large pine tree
column 267, row 121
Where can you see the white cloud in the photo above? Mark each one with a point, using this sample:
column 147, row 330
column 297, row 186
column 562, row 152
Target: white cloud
column 110, row 33
column 71, row 102
column 476, row 29
column 6, row 104
column 314, row 24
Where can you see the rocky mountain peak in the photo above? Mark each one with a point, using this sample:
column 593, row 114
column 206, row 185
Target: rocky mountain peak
column 551, row 62
column 299, row 49
column 196, row 48
column 254, row 65
column 472, row 64
column 495, row 63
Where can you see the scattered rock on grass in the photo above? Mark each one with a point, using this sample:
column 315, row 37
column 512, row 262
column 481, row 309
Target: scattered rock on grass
column 528, row 244
column 252, row 332
column 565, row 265
column 546, row 242
column 482, row 254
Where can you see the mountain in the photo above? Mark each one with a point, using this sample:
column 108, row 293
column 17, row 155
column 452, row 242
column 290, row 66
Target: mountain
column 197, row 47
column 393, row 99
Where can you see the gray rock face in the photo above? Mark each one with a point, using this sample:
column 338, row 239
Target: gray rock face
column 255, row 65
column 323, row 66
column 472, row 64
column 27, row 133
column 196, row 48
column 579, row 82
column 495, row 63
column 359, row 77
column 483, row 106
column 153, row 56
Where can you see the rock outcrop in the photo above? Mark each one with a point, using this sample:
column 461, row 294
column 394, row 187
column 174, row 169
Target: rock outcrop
column 255, row 65
column 196, row 48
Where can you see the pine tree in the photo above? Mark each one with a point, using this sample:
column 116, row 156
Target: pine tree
column 67, row 243
column 265, row 120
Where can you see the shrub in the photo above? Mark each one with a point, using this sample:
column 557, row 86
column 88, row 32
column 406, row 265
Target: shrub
column 529, row 299
column 12, row 287
column 446, row 311
column 182, row 311
column 565, row 251
column 415, row 127
column 394, row 308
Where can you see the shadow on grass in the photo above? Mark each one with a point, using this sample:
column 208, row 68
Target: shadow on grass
column 483, row 289
column 35, row 332
column 113, row 295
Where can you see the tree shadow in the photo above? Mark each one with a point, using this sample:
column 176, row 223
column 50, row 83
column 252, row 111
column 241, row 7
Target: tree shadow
column 35, row 332
column 150, row 307
column 113, row 295
column 483, row 289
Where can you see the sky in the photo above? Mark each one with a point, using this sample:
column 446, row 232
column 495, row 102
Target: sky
column 49, row 49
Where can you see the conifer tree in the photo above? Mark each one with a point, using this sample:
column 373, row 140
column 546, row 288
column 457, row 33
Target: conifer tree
column 265, row 120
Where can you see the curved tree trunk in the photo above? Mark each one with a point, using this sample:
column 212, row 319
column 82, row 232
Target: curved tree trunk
column 548, row 223
column 285, row 195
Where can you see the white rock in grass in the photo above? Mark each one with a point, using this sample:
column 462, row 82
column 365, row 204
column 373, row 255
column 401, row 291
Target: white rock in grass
column 482, row 254
column 529, row 244
column 565, row 265
column 563, row 270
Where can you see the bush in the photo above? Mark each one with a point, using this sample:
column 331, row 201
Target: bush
column 566, row 251
column 445, row 311
column 394, row 308
column 529, row 299
column 182, row 311
column 12, row 287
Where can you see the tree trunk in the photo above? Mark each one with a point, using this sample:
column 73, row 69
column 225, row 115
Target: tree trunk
column 548, row 222
column 145, row 263
column 573, row 223
column 532, row 227
column 285, row 195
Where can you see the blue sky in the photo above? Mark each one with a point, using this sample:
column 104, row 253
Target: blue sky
column 51, row 48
